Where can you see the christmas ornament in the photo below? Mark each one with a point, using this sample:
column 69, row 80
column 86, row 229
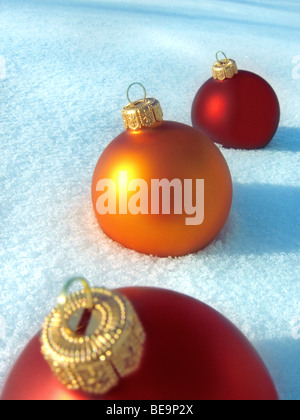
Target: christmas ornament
column 138, row 344
column 236, row 108
column 161, row 187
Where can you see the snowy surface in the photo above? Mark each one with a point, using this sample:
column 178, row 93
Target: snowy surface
column 64, row 70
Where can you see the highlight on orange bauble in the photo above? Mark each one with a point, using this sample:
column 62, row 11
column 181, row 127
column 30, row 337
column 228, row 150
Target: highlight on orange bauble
column 161, row 188
column 179, row 349
column 235, row 108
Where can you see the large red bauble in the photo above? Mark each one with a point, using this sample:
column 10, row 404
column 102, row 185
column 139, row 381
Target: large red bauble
column 191, row 353
column 166, row 151
column 240, row 113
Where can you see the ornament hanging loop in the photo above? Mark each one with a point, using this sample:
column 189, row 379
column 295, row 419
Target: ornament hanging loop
column 128, row 90
column 87, row 290
column 105, row 346
column 143, row 113
column 225, row 56
column 225, row 68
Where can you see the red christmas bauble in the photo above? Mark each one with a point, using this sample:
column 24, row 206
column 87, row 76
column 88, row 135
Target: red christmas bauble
column 240, row 111
column 170, row 154
column 191, row 353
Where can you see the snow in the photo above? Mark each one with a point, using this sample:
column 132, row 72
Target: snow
column 65, row 66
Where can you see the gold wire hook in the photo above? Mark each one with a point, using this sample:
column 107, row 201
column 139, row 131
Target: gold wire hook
column 139, row 84
column 217, row 55
column 87, row 290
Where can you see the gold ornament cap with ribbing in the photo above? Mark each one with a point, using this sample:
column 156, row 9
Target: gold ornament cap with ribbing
column 225, row 68
column 92, row 339
column 143, row 113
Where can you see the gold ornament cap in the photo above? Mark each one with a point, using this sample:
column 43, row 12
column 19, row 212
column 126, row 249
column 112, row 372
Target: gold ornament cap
column 92, row 339
column 142, row 113
column 224, row 69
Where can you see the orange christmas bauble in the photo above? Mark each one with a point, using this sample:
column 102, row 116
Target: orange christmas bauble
column 161, row 188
